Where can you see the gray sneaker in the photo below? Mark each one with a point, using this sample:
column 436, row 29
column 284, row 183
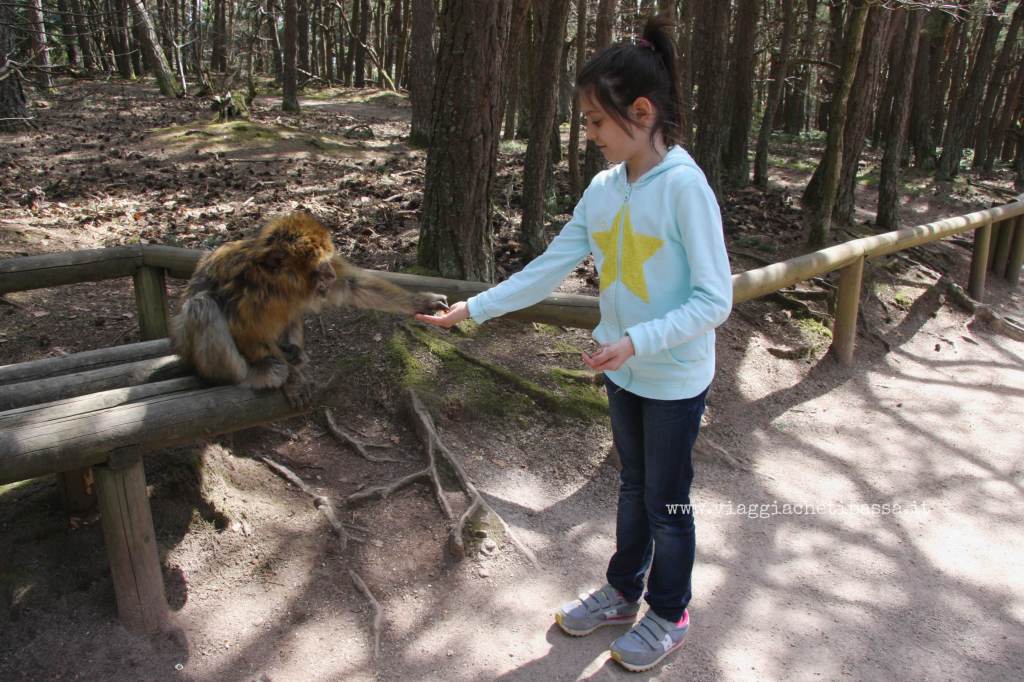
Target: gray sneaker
column 649, row 641
column 605, row 606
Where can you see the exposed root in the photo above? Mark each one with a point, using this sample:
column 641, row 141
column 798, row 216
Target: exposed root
column 319, row 501
column 713, row 452
column 982, row 313
column 378, row 616
column 356, row 444
column 435, row 448
column 799, row 308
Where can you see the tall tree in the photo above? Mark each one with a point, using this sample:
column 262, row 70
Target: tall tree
column 964, row 116
column 302, row 37
column 359, row 80
column 67, row 32
column 818, row 218
column 1008, row 113
column 989, row 106
column 780, row 67
column 13, row 106
column 592, row 159
column 888, row 215
column 736, row 166
column 455, row 231
column 421, row 69
column 926, row 78
column 542, row 117
column 155, row 53
column 40, row 48
column 575, row 181
column 796, row 96
column 713, row 39
column 290, row 96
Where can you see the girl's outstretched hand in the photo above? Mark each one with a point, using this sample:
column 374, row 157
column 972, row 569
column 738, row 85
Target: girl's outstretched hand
column 448, row 318
column 610, row 357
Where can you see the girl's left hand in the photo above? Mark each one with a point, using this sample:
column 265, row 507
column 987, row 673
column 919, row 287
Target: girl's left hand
column 611, row 357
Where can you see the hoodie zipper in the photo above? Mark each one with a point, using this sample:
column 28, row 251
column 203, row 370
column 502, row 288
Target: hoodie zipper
column 621, row 240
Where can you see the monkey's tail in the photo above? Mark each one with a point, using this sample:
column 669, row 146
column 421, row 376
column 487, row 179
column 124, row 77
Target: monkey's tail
column 201, row 336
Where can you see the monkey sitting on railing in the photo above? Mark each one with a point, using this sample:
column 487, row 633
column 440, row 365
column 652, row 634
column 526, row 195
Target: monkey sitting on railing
column 241, row 322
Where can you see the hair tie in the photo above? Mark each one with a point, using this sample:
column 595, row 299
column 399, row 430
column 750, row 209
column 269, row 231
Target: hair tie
column 644, row 42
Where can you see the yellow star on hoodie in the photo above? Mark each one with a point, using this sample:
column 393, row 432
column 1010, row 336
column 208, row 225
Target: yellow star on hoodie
column 636, row 249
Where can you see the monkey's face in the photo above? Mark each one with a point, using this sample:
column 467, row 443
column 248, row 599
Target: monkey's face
column 323, row 277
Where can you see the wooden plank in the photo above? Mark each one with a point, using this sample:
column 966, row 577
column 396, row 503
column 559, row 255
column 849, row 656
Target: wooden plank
column 177, row 262
column 844, row 333
column 156, row 422
column 131, row 547
column 151, row 302
column 90, row 381
column 93, row 402
column 69, row 267
column 979, row 262
column 1016, row 255
column 79, row 362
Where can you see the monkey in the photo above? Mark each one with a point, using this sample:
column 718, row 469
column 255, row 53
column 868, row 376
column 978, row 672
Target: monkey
column 241, row 321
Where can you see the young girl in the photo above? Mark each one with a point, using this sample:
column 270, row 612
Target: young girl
column 654, row 227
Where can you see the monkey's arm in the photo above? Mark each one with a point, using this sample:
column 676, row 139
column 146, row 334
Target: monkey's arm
column 363, row 289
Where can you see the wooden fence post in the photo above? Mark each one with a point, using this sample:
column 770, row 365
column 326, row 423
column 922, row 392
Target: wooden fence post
column 151, row 302
column 131, row 546
column 1001, row 252
column 1016, row 254
column 844, row 331
column 979, row 261
column 997, row 229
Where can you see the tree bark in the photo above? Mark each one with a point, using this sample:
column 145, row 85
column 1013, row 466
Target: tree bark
column 40, row 49
column 13, row 106
column 592, row 159
column 964, row 116
column 455, row 232
column 421, row 69
column 685, row 65
column 711, row 130
column 155, row 54
column 290, row 98
column 926, row 76
column 818, row 219
column 987, row 114
column 888, row 215
column 796, row 97
column 302, row 34
column 780, row 67
column 575, row 179
column 736, row 164
column 67, row 32
column 359, row 79
column 542, row 117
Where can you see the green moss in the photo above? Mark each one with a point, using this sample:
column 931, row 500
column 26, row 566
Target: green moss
column 903, row 300
column 814, row 332
column 512, row 146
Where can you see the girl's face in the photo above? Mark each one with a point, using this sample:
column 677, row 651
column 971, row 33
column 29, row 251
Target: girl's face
column 610, row 137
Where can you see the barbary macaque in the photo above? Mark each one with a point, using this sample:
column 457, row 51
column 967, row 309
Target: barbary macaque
column 241, row 322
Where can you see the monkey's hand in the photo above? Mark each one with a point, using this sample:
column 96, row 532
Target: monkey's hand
column 294, row 354
column 298, row 390
column 428, row 303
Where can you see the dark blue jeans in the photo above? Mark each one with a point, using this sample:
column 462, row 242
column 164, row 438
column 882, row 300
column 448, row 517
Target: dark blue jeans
column 655, row 440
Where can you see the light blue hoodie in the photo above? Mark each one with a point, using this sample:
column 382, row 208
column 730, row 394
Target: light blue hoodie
column 664, row 272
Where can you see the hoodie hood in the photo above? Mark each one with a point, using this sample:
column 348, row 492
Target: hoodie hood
column 676, row 156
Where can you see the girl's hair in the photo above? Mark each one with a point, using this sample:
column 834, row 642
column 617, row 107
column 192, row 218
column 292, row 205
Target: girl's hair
column 615, row 77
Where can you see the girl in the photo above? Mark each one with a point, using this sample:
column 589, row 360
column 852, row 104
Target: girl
column 654, row 227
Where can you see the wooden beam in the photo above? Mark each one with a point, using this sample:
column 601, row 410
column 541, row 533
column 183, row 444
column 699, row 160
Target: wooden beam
column 69, row 267
column 151, row 302
column 131, row 547
column 844, row 332
column 1001, row 252
column 160, row 421
column 79, row 362
column 90, row 381
column 979, row 262
column 1016, row 255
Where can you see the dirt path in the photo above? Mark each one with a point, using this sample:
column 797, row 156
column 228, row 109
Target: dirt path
column 259, row 588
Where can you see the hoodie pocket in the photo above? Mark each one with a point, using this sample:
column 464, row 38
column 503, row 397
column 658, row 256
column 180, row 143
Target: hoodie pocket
column 693, row 350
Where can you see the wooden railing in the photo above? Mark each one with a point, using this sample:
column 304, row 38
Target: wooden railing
column 998, row 247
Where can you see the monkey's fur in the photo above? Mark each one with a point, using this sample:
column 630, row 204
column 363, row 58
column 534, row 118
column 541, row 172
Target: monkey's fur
column 241, row 322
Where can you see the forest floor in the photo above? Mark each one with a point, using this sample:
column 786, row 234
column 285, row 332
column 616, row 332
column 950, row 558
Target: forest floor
column 926, row 425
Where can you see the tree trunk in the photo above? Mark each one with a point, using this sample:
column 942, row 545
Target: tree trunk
column 986, row 116
column 1011, row 105
column 836, row 11
column 78, row 24
column 40, row 49
column 155, row 54
column 455, row 233
column 290, row 98
column 67, row 32
column 593, row 161
column 796, row 97
column 421, row 69
column 542, row 117
column 575, row 181
column 13, row 106
column 888, row 215
column 365, row 18
column 780, row 67
column 711, row 129
column 685, row 66
column 964, row 116
column 926, row 75
column 741, row 80
column 818, row 219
